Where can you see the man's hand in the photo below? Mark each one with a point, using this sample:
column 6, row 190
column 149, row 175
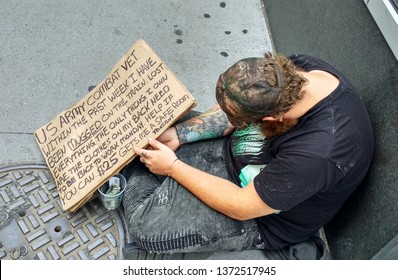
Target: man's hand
column 169, row 138
column 158, row 158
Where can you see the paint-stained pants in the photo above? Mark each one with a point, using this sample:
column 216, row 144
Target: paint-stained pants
column 163, row 217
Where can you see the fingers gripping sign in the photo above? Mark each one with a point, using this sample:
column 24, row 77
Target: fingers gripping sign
column 158, row 158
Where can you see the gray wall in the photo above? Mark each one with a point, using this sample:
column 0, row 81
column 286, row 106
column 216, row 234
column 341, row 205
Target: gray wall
column 344, row 33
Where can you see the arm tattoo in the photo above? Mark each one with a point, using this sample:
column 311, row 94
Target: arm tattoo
column 211, row 124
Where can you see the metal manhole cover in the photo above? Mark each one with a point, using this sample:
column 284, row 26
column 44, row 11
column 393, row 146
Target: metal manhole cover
column 34, row 226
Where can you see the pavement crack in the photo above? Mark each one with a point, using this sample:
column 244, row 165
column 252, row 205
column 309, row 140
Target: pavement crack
column 16, row 133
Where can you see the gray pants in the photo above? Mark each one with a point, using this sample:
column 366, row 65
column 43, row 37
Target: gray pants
column 163, row 217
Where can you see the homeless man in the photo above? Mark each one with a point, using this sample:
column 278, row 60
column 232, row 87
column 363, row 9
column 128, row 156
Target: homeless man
column 271, row 164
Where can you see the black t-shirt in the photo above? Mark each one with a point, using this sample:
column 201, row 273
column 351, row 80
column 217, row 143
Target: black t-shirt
column 308, row 172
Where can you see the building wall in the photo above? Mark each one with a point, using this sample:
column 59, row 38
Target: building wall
column 344, row 33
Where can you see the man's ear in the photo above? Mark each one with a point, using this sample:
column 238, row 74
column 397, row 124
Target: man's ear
column 271, row 118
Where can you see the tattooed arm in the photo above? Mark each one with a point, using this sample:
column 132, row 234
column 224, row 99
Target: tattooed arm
column 211, row 124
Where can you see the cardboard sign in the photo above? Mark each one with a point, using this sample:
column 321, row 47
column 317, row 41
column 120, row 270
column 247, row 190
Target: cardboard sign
column 91, row 141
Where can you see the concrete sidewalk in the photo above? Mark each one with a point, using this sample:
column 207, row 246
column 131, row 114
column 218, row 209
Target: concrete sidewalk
column 52, row 52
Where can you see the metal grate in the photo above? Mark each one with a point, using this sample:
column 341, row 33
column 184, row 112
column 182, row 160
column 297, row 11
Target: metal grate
column 34, row 226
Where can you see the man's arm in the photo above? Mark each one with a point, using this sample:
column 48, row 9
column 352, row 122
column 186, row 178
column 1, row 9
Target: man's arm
column 211, row 124
column 220, row 194
column 217, row 193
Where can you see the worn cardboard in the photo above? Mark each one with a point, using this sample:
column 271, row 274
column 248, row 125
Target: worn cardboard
column 89, row 142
